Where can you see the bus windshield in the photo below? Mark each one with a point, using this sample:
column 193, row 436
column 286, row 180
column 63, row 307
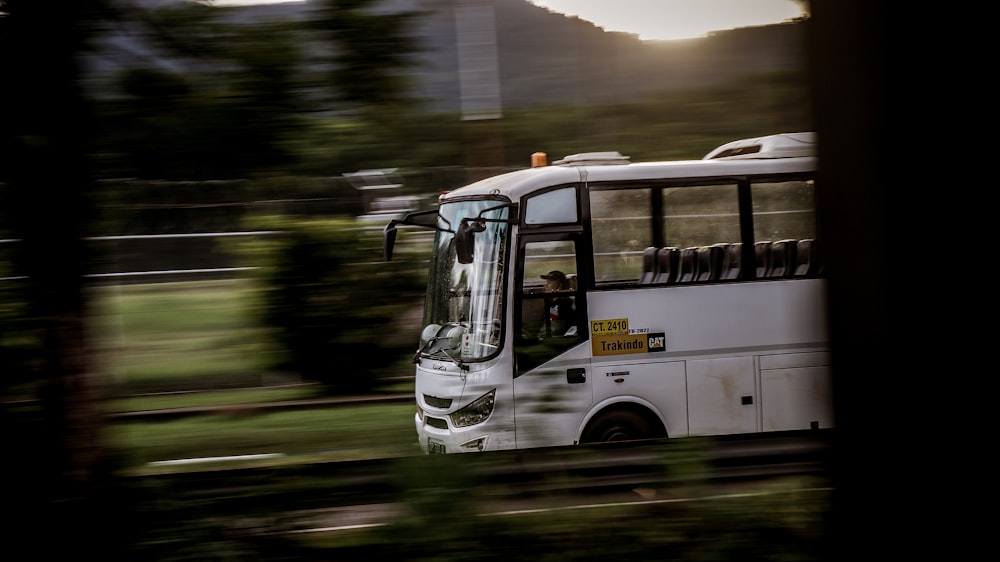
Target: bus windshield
column 463, row 311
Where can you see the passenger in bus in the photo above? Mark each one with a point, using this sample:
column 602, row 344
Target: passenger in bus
column 562, row 313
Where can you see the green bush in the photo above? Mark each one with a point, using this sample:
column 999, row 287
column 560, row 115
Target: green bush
column 334, row 308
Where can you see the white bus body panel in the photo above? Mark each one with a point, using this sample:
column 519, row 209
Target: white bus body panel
column 767, row 370
column 549, row 409
column 663, row 382
column 795, row 388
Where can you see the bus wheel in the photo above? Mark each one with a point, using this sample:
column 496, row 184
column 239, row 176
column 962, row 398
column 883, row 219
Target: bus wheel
column 620, row 425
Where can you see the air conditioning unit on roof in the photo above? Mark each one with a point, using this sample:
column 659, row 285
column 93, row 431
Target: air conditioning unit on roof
column 782, row 145
column 593, row 159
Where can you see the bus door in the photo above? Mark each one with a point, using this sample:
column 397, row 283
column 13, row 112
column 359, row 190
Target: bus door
column 552, row 388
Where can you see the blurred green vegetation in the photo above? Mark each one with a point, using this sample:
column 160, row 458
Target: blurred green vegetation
column 182, row 336
column 445, row 508
column 779, row 521
column 668, row 126
column 671, row 125
column 319, row 308
column 336, row 312
column 343, row 433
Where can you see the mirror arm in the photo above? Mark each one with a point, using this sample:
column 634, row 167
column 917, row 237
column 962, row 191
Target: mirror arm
column 389, row 239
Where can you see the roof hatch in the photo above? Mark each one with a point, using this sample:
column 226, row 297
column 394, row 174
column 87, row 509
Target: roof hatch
column 593, row 159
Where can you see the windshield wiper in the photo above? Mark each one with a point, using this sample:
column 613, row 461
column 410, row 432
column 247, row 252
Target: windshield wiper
column 423, row 349
column 459, row 362
column 416, row 357
column 461, row 365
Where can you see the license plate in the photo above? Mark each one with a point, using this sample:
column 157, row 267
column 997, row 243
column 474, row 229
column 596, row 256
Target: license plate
column 435, row 447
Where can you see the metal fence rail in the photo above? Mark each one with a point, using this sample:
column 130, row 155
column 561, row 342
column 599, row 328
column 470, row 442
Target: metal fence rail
column 206, row 262
column 221, row 269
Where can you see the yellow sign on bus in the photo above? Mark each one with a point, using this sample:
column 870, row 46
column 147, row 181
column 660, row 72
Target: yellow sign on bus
column 611, row 327
column 618, row 344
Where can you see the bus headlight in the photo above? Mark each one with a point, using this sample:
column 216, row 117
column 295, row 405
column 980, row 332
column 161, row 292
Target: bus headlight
column 476, row 412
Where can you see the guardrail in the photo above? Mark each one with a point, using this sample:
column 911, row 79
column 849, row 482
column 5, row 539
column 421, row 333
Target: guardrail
column 163, row 272
column 173, row 273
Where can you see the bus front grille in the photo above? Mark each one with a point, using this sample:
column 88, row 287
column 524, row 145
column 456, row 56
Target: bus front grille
column 436, row 402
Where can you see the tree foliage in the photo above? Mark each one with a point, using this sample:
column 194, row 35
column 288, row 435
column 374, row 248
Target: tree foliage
column 372, row 52
column 233, row 117
column 250, row 91
column 339, row 315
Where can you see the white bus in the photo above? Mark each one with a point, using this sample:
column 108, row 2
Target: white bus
column 596, row 300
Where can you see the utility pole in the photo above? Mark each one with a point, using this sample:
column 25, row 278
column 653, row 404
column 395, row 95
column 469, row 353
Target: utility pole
column 479, row 84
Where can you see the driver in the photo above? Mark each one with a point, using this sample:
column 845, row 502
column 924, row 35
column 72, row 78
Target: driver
column 555, row 281
column 562, row 316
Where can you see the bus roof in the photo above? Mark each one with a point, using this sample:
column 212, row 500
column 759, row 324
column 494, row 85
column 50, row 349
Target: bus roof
column 773, row 154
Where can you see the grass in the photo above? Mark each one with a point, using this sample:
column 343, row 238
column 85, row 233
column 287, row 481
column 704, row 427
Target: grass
column 196, row 344
column 181, row 336
column 322, row 434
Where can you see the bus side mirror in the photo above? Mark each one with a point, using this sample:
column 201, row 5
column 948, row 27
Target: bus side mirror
column 464, row 242
column 389, row 239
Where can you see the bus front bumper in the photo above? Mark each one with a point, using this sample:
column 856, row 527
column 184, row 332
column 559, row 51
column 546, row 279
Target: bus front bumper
column 437, row 440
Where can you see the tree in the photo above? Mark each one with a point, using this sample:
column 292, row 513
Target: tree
column 228, row 95
column 220, row 100
column 339, row 317
column 371, row 52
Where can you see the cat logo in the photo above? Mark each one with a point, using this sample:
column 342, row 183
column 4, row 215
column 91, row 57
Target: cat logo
column 657, row 342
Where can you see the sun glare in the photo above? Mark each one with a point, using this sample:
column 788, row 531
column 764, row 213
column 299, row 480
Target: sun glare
column 238, row 3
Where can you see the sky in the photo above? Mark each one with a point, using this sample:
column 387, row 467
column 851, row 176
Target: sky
column 676, row 19
column 658, row 19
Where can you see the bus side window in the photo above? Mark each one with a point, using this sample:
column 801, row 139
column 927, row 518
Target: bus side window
column 554, row 207
column 784, row 210
column 622, row 236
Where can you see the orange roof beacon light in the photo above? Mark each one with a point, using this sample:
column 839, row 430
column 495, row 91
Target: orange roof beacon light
column 538, row 159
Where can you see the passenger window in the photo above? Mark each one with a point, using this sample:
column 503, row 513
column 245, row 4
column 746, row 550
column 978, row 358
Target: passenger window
column 701, row 215
column 784, row 210
column 622, row 230
column 554, row 207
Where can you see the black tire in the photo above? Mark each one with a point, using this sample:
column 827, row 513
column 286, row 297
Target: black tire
column 620, row 425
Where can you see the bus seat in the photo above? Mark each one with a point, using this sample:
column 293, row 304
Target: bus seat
column 807, row 262
column 687, row 264
column 709, row 263
column 648, row 265
column 762, row 258
column 782, row 258
column 666, row 268
column 732, row 255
